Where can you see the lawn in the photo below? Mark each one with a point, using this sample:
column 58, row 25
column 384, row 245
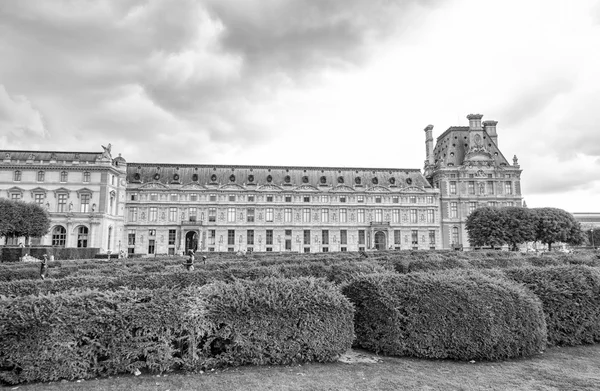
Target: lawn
column 569, row 368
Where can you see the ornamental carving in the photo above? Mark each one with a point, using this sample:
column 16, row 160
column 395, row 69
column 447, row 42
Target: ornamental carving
column 250, row 178
column 213, row 178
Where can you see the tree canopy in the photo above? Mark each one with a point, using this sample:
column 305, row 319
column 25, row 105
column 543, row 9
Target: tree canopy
column 20, row 219
column 490, row 226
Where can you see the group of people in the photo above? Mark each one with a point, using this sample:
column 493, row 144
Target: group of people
column 189, row 264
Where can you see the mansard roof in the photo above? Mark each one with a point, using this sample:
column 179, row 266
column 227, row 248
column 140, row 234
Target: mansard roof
column 257, row 177
column 46, row 156
column 452, row 148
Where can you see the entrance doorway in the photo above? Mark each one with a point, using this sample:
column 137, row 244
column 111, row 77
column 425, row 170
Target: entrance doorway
column 191, row 241
column 380, row 241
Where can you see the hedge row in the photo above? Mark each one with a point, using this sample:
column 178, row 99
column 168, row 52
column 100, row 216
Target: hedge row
column 338, row 273
column 87, row 334
column 455, row 315
column 571, row 300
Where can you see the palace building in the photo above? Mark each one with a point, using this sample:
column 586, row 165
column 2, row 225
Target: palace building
column 95, row 200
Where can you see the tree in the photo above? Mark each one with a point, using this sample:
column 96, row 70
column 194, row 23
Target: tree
column 519, row 226
column 20, row 219
column 556, row 225
column 595, row 239
column 485, row 227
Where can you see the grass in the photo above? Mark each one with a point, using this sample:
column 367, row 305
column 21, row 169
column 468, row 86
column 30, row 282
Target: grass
column 569, row 368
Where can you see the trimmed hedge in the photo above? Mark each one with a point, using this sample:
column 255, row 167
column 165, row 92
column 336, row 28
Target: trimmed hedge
column 87, row 334
column 463, row 316
column 571, row 300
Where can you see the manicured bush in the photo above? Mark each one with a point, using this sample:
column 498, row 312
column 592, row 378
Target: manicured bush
column 277, row 321
column 463, row 316
column 76, row 335
column 570, row 296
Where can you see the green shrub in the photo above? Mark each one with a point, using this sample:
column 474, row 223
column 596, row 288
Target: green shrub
column 570, row 296
column 76, row 335
column 464, row 316
column 277, row 321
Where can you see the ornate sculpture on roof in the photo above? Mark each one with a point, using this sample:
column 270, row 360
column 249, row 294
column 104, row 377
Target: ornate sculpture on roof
column 106, row 153
column 478, row 144
column 515, row 160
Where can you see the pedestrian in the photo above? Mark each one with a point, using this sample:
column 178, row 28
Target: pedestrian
column 189, row 265
column 44, row 267
column 204, row 259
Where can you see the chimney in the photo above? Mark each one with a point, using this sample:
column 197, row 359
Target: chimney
column 475, row 121
column 490, row 128
column 429, row 144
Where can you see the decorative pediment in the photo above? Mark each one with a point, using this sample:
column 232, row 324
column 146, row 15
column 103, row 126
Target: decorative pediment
column 306, row 188
column 231, row 186
column 269, row 187
column 154, row 185
column 413, row 189
column 84, row 190
column 13, row 190
column 193, row 186
column 379, row 189
column 62, row 190
column 38, row 190
column 341, row 188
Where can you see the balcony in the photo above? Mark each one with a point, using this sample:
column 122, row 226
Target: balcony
column 191, row 223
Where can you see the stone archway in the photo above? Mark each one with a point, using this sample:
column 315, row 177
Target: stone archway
column 380, row 240
column 191, row 241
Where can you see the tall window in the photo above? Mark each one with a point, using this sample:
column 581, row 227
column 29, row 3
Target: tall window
column 361, row 215
column 412, row 199
column 212, row 197
column 361, row 236
column 193, row 197
column 378, row 199
column 325, row 237
column 269, row 237
column 415, row 237
column 212, row 237
column 343, row 215
column 39, row 198
column 378, row 215
column 17, row 176
column 395, row 199
column 508, row 187
column 490, row 187
column 153, row 197
column 343, row 236
column 172, row 237
column 230, row 215
column 41, row 175
column 306, row 199
column 62, row 202
column 452, row 187
column 413, row 215
column 431, row 237
column 153, row 215
column 288, row 198
column 306, row 215
column 82, row 236
column 472, row 207
column 397, row 237
column 324, row 215
column 59, row 236
column 131, row 237
column 396, row 215
column 172, row 214
column 85, row 203
column 471, row 187
column 324, row 198
column 287, row 215
column 269, row 215
column 230, row 237
column 231, row 197
column 64, row 176
column 132, row 215
column 250, row 237
column 306, row 236
column 453, row 209
column 212, row 215
column 360, row 199
column 174, row 197
column 250, row 215
column 430, row 216
column 270, row 198
column 15, row 196
column 455, row 235
column 429, row 199
column 342, row 198
column 86, row 176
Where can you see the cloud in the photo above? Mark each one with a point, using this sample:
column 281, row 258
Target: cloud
column 19, row 120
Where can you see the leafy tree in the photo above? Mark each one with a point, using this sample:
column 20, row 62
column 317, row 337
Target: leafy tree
column 18, row 219
column 519, row 225
column 595, row 239
column 485, row 227
column 556, row 225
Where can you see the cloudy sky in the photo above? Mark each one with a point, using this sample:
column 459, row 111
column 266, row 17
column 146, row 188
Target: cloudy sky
column 308, row 82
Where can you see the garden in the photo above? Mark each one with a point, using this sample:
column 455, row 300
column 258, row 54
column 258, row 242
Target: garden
column 96, row 318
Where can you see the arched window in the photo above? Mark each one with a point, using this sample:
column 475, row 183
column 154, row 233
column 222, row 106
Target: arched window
column 82, row 236
column 455, row 235
column 59, row 236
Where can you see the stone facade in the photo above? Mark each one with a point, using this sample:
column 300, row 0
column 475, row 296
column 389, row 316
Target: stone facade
column 148, row 208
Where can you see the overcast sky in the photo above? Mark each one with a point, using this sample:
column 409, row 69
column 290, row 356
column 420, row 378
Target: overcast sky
column 308, row 82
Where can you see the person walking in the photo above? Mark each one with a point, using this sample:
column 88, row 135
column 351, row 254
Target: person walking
column 44, row 267
column 189, row 265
